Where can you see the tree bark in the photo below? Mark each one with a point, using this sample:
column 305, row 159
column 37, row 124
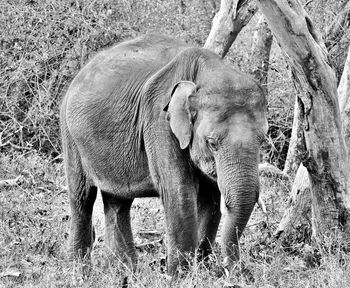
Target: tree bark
column 344, row 100
column 260, row 54
column 298, row 210
column 332, row 36
column 327, row 161
column 296, row 147
column 227, row 23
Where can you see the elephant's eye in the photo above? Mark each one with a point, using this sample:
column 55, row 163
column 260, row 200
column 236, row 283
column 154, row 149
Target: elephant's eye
column 212, row 143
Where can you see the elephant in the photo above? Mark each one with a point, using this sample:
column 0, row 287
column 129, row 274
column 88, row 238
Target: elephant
column 157, row 117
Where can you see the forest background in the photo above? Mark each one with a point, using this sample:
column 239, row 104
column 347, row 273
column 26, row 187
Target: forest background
column 43, row 46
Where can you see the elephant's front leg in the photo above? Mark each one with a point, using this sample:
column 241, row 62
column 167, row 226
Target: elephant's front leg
column 181, row 221
column 208, row 215
column 119, row 237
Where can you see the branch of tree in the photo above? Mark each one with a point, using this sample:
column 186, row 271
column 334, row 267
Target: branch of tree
column 308, row 3
column 337, row 29
column 227, row 23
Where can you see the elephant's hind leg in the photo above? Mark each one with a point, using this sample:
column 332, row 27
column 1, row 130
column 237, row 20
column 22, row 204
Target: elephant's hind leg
column 208, row 215
column 82, row 196
column 119, row 238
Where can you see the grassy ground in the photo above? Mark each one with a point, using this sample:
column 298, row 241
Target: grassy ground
column 34, row 219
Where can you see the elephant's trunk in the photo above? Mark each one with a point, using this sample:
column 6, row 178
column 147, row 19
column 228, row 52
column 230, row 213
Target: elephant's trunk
column 239, row 186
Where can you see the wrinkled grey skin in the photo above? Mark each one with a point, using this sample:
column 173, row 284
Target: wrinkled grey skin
column 153, row 117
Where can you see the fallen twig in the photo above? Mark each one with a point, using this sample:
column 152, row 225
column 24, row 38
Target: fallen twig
column 149, row 245
column 149, row 233
column 19, row 147
column 11, row 182
column 12, row 271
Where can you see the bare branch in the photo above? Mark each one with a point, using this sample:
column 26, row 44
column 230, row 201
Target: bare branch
column 338, row 27
column 308, row 3
column 227, row 23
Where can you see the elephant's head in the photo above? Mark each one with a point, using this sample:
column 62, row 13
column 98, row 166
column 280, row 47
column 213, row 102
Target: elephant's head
column 221, row 120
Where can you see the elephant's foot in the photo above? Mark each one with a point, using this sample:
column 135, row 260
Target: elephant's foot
column 204, row 250
column 238, row 271
column 80, row 242
column 180, row 263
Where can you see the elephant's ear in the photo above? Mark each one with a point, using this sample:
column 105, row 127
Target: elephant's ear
column 179, row 112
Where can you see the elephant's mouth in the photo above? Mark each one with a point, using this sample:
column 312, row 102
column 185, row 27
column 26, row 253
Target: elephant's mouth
column 209, row 169
column 212, row 174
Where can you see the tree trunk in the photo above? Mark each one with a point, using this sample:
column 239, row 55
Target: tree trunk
column 227, row 23
column 332, row 37
column 297, row 141
column 260, row 54
column 298, row 210
column 300, row 202
column 344, row 100
column 327, row 161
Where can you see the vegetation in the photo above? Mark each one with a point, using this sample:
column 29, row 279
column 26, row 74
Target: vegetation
column 34, row 224
column 44, row 45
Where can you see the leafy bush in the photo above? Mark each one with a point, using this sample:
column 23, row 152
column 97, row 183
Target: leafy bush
column 45, row 43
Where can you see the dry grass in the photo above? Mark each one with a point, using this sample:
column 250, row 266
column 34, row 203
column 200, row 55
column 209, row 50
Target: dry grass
column 33, row 236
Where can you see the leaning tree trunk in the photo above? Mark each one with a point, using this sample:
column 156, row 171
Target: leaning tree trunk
column 298, row 209
column 297, row 141
column 333, row 34
column 327, row 161
column 227, row 23
column 259, row 67
column 344, row 100
column 300, row 198
column 260, row 54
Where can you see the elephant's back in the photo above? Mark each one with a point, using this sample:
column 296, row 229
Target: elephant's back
column 129, row 59
column 121, row 69
column 101, row 105
column 159, row 49
column 114, row 76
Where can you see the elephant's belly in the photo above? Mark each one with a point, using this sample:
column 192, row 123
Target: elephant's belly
column 128, row 190
column 125, row 179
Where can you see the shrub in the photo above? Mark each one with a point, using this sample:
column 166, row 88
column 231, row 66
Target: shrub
column 45, row 43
